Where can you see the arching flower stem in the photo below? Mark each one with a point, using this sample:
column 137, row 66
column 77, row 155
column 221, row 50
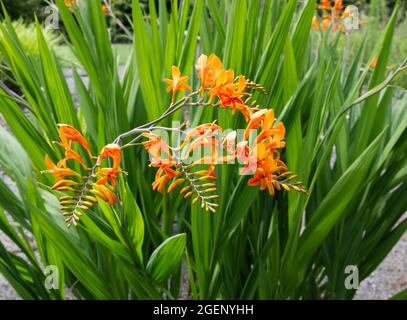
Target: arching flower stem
column 148, row 126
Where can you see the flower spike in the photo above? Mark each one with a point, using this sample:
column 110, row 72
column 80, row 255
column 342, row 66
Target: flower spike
column 81, row 191
column 189, row 167
column 177, row 83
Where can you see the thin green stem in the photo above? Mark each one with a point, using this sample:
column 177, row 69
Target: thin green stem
column 363, row 97
column 145, row 127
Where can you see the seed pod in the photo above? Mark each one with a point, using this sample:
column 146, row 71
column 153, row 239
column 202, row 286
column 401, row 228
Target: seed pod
column 195, row 200
column 69, row 189
column 92, row 199
column 190, row 193
column 185, row 189
column 286, row 187
column 87, row 203
column 175, row 184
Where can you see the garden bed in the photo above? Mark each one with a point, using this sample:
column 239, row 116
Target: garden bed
column 246, row 150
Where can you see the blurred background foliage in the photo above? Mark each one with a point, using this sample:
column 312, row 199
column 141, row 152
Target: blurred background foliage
column 28, row 38
column 374, row 13
column 26, row 9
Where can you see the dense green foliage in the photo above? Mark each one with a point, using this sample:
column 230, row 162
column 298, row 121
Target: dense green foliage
column 346, row 138
column 26, row 9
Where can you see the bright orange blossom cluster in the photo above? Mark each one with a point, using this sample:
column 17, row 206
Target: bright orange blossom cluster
column 219, row 83
column 262, row 160
column 83, row 188
column 331, row 15
column 71, row 5
column 261, row 157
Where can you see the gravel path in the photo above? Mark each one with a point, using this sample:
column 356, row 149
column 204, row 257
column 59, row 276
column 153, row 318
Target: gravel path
column 389, row 278
column 6, row 291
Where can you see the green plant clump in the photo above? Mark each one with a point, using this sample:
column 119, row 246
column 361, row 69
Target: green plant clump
column 132, row 234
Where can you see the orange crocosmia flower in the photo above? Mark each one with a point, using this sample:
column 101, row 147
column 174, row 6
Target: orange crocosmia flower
column 260, row 151
column 106, row 174
column 326, row 21
column 208, row 70
column 268, row 120
column 244, row 110
column 203, row 130
column 256, row 154
column 70, row 154
column 207, row 174
column 231, row 94
column 208, row 142
column 266, row 168
column 177, row 83
column 270, row 133
column 210, row 174
column 70, row 4
column 67, row 132
column 104, row 9
column 255, row 121
column 278, row 133
column 373, row 63
column 204, row 142
column 156, row 147
column 264, row 175
column 112, row 151
column 202, row 68
column 325, row 5
column 338, row 4
column 223, row 78
column 58, row 172
column 104, row 193
column 155, row 141
column 206, row 130
column 336, row 11
column 162, row 176
column 263, row 159
column 222, row 84
column 315, row 23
